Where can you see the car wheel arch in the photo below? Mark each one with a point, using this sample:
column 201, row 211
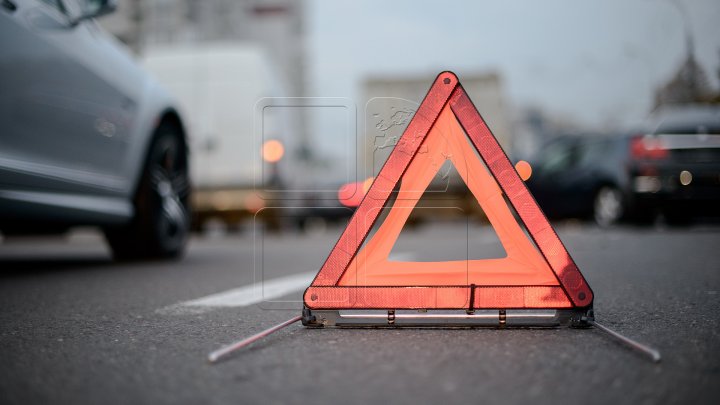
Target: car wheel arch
column 147, row 235
column 167, row 116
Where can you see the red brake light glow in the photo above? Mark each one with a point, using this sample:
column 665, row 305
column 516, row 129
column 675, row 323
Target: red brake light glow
column 647, row 147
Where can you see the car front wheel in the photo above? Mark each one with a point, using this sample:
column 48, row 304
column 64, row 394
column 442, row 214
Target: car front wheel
column 161, row 223
column 608, row 206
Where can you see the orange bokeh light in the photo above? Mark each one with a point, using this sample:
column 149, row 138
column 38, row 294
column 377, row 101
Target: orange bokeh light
column 350, row 194
column 524, row 169
column 254, row 203
column 272, row 151
column 366, row 184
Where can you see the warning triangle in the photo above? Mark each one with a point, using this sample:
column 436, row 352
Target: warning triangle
column 537, row 273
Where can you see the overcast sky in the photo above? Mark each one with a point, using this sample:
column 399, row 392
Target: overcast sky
column 590, row 61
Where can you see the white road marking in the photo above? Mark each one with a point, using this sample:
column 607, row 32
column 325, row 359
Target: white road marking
column 243, row 296
column 254, row 293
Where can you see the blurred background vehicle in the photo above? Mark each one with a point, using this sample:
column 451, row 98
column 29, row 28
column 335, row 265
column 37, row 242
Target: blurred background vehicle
column 218, row 58
column 217, row 55
column 581, row 176
column 88, row 138
column 672, row 167
column 217, row 85
column 675, row 163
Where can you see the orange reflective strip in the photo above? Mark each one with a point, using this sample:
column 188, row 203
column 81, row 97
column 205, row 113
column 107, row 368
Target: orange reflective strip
column 436, row 297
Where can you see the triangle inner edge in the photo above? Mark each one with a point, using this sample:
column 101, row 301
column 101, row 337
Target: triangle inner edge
column 446, row 140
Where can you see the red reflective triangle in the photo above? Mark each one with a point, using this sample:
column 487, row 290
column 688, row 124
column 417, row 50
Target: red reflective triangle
column 530, row 277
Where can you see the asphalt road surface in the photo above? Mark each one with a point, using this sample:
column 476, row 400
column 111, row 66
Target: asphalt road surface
column 77, row 328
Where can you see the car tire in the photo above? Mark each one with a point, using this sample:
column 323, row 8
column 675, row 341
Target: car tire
column 160, row 227
column 608, row 206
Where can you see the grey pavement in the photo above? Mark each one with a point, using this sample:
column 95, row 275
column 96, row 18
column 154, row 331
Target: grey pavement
column 77, row 328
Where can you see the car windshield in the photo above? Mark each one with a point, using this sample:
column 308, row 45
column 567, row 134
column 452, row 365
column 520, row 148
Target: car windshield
column 557, row 156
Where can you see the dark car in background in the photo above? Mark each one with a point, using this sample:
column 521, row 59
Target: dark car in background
column 671, row 167
column 581, row 177
column 86, row 136
column 676, row 164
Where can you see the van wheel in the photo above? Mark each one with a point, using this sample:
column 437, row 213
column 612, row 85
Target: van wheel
column 162, row 215
column 607, row 206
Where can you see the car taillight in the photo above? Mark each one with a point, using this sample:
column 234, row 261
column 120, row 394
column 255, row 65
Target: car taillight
column 647, row 147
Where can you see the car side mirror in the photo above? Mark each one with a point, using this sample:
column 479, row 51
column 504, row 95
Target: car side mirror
column 95, row 8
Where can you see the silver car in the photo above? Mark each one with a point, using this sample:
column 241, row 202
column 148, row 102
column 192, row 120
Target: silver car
column 86, row 137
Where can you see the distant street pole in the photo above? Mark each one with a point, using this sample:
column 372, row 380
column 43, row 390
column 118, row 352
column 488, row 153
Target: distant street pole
column 689, row 42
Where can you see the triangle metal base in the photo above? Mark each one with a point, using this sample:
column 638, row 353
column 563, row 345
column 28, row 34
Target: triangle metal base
column 414, row 318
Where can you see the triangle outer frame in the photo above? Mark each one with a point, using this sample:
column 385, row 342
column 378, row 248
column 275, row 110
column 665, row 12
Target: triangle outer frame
column 573, row 290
